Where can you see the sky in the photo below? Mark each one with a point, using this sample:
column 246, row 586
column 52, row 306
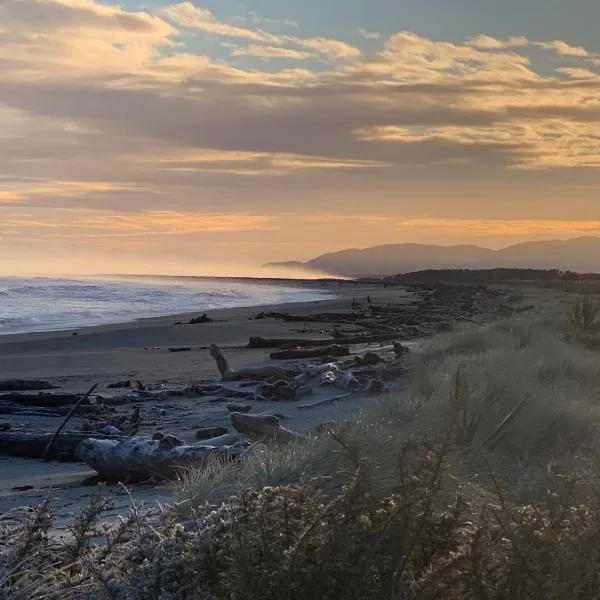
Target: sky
column 209, row 137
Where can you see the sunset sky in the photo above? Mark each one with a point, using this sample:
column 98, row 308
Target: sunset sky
column 189, row 137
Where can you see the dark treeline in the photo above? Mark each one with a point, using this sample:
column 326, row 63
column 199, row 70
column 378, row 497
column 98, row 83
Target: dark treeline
column 482, row 276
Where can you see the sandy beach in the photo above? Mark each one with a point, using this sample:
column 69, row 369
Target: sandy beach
column 74, row 360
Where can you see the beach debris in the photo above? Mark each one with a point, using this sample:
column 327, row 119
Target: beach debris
column 240, row 408
column 368, row 359
column 209, row 432
column 202, row 319
column 139, row 458
column 400, row 350
column 41, row 399
column 24, row 385
column 285, row 343
column 5, row 426
column 253, row 373
column 140, row 386
column 33, row 444
column 263, row 428
column 279, row 390
column 119, row 384
column 333, row 350
column 179, row 349
column 68, row 417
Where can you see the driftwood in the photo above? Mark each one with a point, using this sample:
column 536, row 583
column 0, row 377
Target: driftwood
column 253, row 373
column 334, row 350
column 138, row 458
column 258, row 342
column 11, row 408
column 44, row 400
column 315, row 318
column 33, row 445
column 24, row 385
column 83, row 399
column 263, row 428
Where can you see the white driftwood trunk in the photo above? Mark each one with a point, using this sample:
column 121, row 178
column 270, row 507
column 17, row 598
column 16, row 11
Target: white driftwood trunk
column 138, row 457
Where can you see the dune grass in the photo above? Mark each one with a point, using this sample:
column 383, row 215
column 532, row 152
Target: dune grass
column 480, row 482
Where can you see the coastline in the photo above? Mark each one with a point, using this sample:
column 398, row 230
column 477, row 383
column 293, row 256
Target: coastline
column 193, row 300
column 73, row 358
column 109, row 353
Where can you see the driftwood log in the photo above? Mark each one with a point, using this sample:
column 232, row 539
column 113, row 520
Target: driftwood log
column 247, row 373
column 137, row 458
column 24, row 385
column 259, row 342
column 33, row 445
column 334, row 350
column 43, row 400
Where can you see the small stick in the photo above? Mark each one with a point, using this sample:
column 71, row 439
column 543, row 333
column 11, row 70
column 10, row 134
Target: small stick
column 68, row 418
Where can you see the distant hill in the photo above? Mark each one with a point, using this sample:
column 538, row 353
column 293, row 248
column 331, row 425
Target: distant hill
column 580, row 254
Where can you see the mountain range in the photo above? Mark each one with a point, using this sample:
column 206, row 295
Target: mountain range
column 581, row 254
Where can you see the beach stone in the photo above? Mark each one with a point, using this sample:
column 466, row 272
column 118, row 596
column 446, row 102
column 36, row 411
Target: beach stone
column 370, row 358
column 240, row 408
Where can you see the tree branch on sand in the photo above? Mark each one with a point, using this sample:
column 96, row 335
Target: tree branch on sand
column 247, row 373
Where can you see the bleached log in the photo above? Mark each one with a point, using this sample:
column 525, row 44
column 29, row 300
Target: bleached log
column 247, row 373
column 139, row 457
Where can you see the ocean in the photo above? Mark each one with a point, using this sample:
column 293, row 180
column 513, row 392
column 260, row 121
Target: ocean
column 48, row 304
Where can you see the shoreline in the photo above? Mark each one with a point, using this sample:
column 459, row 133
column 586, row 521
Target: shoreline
column 324, row 289
column 104, row 355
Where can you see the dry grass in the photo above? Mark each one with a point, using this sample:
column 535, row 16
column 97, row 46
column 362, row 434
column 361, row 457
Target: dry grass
column 479, row 483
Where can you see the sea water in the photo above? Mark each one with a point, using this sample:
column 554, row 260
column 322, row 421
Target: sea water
column 49, row 304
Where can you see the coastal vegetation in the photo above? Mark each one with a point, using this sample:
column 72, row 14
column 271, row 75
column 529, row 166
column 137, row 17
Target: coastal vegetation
column 481, row 481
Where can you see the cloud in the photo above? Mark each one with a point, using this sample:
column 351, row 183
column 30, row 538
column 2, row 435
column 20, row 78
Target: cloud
column 368, row 35
column 271, row 52
column 187, row 15
column 115, row 100
column 577, row 73
column 485, row 42
column 94, row 223
column 333, row 48
column 563, row 49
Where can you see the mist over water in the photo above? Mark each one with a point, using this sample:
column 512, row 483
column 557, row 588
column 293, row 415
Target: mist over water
column 29, row 304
